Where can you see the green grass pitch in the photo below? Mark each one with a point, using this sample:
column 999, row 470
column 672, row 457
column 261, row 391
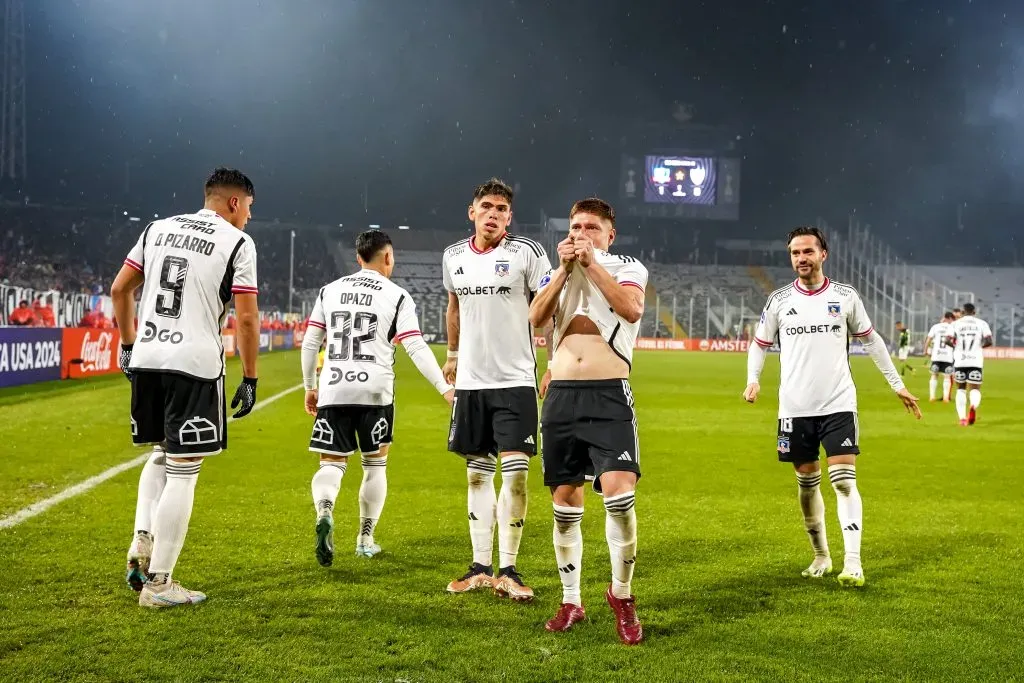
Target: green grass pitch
column 721, row 547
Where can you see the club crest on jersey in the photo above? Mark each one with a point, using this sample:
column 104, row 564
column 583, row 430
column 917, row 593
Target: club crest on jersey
column 783, row 444
column 833, row 309
column 502, row 268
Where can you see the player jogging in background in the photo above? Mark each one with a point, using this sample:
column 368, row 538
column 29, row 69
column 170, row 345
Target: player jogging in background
column 812, row 319
column 970, row 334
column 903, row 348
column 589, row 421
column 189, row 267
column 490, row 278
column 363, row 316
column 937, row 345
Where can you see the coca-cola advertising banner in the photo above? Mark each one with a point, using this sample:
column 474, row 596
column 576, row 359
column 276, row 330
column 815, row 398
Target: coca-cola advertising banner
column 68, row 309
column 29, row 355
column 90, row 352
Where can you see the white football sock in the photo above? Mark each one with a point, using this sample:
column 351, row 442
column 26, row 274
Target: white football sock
column 568, row 540
column 326, row 484
column 947, row 387
column 372, row 493
column 151, row 486
column 482, row 504
column 850, row 508
column 975, row 398
column 813, row 507
column 172, row 515
column 620, row 532
column 933, row 388
column 961, row 403
column 511, row 507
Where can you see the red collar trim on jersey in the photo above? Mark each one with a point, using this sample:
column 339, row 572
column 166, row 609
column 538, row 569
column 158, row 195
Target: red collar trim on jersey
column 803, row 290
column 472, row 244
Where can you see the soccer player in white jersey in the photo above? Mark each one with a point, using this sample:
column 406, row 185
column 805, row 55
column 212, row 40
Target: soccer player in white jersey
column 588, row 423
column 970, row 334
column 490, row 278
column 812, row 319
column 937, row 345
column 363, row 316
column 189, row 267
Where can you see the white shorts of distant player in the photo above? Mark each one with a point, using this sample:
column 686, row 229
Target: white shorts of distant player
column 903, row 353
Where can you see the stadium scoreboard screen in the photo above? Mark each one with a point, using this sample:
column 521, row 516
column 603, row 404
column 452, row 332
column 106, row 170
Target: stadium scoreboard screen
column 681, row 185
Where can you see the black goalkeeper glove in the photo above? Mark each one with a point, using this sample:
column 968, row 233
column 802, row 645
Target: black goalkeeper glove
column 125, row 359
column 245, row 396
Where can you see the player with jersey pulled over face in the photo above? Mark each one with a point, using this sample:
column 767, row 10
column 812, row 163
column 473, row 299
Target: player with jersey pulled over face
column 940, row 351
column 812, row 319
column 363, row 316
column 969, row 335
column 490, row 278
column 588, row 423
column 189, row 268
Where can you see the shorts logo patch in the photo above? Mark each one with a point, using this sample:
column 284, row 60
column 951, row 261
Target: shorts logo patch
column 135, row 427
column 379, row 431
column 847, row 443
column 197, row 431
column 502, row 268
column 529, row 440
column 322, row 432
column 833, row 309
column 783, row 444
column 625, row 456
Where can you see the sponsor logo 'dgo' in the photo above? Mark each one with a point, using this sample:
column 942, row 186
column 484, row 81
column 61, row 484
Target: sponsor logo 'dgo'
column 96, row 353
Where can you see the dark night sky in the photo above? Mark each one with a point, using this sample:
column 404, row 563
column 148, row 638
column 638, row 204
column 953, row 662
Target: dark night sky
column 896, row 108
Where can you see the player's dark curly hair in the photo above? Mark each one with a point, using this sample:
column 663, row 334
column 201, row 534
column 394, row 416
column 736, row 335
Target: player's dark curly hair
column 229, row 178
column 594, row 205
column 969, row 308
column 371, row 243
column 808, row 230
column 494, row 187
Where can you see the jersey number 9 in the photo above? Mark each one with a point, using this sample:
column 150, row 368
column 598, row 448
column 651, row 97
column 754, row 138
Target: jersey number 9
column 172, row 281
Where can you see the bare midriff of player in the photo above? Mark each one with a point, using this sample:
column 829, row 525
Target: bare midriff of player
column 584, row 354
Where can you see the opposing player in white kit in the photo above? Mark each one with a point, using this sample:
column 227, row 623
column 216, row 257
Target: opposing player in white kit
column 812, row 319
column 588, row 421
column 941, row 351
column 363, row 316
column 490, row 278
column 189, row 267
column 969, row 335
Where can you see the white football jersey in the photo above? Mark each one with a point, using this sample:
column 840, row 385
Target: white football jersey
column 970, row 331
column 494, row 288
column 813, row 330
column 581, row 297
column 365, row 315
column 192, row 265
column 942, row 350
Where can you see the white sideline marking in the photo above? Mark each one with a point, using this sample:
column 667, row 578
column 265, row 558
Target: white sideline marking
column 42, row 506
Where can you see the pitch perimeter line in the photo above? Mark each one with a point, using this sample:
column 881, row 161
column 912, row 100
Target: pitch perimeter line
column 42, row 506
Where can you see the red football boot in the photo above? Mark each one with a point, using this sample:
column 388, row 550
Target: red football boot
column 972, row 416
column 631, row 632
column 568, row 615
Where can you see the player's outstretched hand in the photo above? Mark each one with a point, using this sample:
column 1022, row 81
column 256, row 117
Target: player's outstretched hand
column 312, row 397
column 584, row 251
column 545, row 380
column 751, row 392
column 910, row 402
column 450, row 397
column 449, row 369
column 245, row 396
column 566, row 254
column 124, row 359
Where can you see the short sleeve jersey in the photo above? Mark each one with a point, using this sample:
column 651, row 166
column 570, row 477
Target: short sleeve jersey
column 364, row 315
column 581, row 297
column 192, row 265
column 494, row 288
column 942, row 350
column 969, row 332
column 812, row 329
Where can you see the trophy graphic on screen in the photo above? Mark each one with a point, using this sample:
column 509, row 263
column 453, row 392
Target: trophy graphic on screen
column 698, row 174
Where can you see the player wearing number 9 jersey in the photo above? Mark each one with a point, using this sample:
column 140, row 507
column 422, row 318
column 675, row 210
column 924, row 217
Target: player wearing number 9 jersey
column 189, row 267
column 363, row 316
